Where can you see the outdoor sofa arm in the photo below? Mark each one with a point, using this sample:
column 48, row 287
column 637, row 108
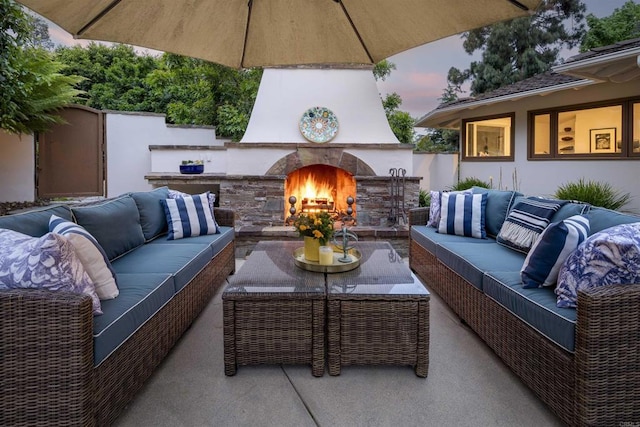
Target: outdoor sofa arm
column 225, row 217
column 608, row 355
column 418, row 216
column 46, row 357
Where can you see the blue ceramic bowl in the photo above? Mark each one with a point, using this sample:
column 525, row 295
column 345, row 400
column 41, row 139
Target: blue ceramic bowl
column 191, row 169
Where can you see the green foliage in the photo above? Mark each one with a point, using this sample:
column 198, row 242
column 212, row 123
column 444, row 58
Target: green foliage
column 114, row 76
column 593, row 192
column 520, row 48
column 467, row 183
column 622, row 24
column 439, row 141
column 424, row 198
column 401, row 122
column 33, row 87
column 382, row 69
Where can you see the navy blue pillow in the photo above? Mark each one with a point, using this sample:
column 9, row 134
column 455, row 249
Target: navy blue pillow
column 553, row 247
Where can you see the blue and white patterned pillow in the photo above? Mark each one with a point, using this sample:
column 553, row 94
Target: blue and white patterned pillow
column 189, row 216
column 93, row 257
column 463, row 215
column 175, row 194
column 434, row 206
column 48, row 262
column 526, row 221
column 548, row 253
column 611, row 256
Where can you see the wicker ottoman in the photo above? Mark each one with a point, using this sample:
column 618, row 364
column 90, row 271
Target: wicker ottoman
column 378, row 313
column 274, row 312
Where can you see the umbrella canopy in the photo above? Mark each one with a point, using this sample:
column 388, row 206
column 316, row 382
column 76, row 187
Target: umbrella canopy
column 250, row 33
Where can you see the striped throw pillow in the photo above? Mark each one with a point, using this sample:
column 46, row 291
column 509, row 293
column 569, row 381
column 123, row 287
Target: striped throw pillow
column 189, row 216
column 549, row 252
column 91, row 255
column 463, row 215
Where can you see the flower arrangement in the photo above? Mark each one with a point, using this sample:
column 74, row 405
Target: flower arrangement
column 316, row 225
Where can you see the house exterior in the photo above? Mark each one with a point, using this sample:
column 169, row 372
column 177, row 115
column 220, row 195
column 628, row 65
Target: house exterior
column 580, row 120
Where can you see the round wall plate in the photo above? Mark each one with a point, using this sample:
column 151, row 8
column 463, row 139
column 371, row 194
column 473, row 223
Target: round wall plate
column 319, row 124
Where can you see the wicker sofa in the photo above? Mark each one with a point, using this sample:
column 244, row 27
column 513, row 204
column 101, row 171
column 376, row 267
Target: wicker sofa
column 60, row 364
column 584, row 365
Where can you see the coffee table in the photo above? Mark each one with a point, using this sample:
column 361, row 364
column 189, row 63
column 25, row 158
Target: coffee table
column 274, row 312
column 378, row 313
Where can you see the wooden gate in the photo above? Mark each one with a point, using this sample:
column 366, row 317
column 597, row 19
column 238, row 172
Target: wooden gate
column 70, row 157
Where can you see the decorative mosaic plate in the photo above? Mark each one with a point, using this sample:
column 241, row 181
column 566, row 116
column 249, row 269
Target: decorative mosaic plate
column 319, row 124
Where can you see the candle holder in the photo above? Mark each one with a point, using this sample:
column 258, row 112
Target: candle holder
column 346, row 235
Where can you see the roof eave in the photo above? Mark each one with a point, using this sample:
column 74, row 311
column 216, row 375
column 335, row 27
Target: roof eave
column 443, row 117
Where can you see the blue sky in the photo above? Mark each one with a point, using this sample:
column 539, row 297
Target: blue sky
column 421, row 73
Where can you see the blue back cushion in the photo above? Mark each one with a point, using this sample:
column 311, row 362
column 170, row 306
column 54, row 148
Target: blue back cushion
column 152, row 218
column 35, row 222
column 499, row 202
column 114, row 223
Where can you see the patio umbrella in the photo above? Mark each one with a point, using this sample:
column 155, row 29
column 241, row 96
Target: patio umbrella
column 250, row 33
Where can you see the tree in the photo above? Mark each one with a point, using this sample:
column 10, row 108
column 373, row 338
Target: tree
column 401, row 122
column 520, row 48
column 114, row 76
column 33, row 88
column 622, row 24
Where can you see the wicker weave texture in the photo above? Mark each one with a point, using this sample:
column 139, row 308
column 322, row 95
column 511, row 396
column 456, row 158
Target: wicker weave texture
column 597, row 385
column 378, row 331
column 46, row 352
column 272, row 329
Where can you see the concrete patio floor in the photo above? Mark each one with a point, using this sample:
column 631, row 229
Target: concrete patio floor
column 467, row 386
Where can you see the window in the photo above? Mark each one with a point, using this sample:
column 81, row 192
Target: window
column 488, row 138
column 590, row 130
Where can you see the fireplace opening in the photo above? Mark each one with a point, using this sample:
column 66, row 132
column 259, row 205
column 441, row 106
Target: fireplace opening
column 320, row 188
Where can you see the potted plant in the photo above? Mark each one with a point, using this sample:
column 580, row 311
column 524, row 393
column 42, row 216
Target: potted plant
column 317, row 230
column 192, row 166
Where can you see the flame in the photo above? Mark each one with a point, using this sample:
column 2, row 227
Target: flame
column 312, row 189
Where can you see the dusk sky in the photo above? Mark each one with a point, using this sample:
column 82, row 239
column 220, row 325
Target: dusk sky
column 420, row 76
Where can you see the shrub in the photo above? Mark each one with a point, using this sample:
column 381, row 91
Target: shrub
column 424, row 198
column 467, row 183
column 593, row 192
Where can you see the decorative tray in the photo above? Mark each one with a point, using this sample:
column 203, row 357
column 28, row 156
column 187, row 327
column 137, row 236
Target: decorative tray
column 319, row 124
column 336, row 267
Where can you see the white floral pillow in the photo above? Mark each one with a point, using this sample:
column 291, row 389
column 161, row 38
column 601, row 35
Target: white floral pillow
column 48, row 262
column 611, row 256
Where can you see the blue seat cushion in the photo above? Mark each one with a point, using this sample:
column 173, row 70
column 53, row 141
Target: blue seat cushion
column 428, row 238
column 183, row 261
column 216, row 241
column 34, row 223
column 536, row 307
column 471, row 261
column 141, row 296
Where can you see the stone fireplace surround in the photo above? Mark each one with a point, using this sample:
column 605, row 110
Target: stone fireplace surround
column 260, row 202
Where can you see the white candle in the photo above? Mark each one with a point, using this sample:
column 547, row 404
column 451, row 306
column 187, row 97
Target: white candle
column 326, row 255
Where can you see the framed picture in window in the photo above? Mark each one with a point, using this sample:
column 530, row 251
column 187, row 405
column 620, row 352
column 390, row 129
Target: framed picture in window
column 603, row 140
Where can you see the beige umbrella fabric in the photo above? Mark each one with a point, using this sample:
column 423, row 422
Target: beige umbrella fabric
column 250, row 33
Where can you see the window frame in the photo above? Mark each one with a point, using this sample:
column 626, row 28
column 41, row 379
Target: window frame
column 512, row 134
column 626, row 128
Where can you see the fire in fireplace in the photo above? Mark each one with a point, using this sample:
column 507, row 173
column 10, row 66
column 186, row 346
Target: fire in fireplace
column 320, row 188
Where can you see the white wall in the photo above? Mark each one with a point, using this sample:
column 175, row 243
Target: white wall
column 438, row 171
column 17, row 168
column 128, row 137
column 285, row 94
column 543, row 177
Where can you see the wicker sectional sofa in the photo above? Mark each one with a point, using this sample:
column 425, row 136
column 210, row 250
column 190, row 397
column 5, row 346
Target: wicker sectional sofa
column 60, row 364
column 583, row 363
